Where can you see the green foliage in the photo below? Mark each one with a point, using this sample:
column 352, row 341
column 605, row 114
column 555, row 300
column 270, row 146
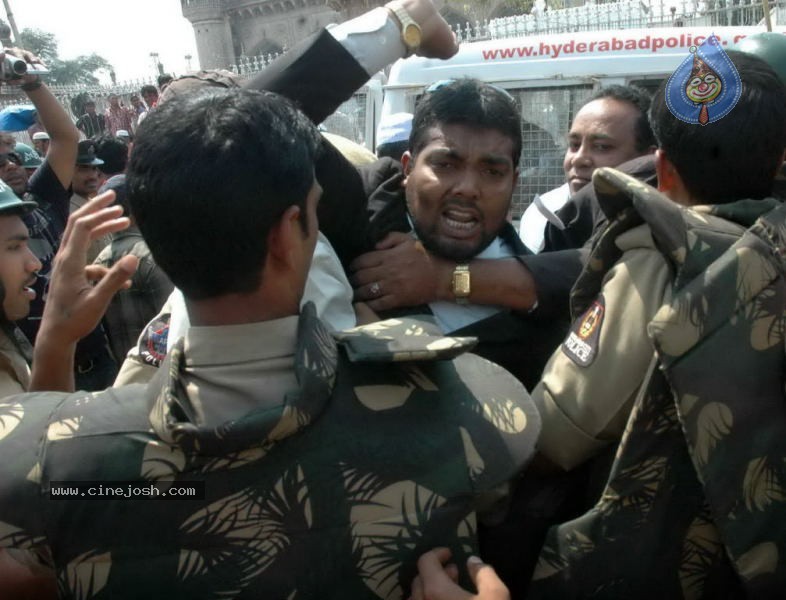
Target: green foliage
column 41, row 43
column 79, row 70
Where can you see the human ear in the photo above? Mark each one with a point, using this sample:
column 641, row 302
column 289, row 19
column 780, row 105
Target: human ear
column 665, row 171
column 406, row 162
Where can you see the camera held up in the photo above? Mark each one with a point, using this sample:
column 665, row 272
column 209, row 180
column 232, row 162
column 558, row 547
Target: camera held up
column 15, row 68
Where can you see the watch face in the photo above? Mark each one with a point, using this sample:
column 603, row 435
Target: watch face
column 411, row 35
column 461, row 285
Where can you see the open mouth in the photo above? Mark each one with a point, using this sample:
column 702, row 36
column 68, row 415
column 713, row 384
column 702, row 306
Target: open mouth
column 579, row 182
column 28, row 289
column 459, row 222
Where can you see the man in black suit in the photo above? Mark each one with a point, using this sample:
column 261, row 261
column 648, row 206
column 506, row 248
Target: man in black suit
column 365, row 212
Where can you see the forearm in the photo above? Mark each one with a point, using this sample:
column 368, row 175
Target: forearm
column 307, row 76
column 53, row 365
column 501, row 282
column 326, row 69
column 64, row 136
column 53, row 116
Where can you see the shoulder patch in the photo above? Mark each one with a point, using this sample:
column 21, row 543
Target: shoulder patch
column 581, row 345
column 152, row 342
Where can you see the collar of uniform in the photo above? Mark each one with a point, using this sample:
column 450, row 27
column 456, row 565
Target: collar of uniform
column 743, row 212
column 397, row 340
column 229, row 344
column 130, row 231
column 174, row 418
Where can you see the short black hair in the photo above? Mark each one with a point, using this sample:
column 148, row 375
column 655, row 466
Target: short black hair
column 163, row 80
column 148, row 89
column 113, row 151
column 640, row 99
column 469, row 102
column 211, row 172
column 735, row 157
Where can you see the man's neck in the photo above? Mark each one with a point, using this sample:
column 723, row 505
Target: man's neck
column 236, row 309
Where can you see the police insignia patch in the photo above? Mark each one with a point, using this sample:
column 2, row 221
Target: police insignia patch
column 581, row 345
column 152, row 343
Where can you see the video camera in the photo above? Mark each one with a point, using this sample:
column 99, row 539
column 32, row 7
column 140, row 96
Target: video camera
column 15, row 68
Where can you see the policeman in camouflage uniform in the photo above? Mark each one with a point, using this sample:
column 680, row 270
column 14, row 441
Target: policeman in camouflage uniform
column 691, row 505
column 18, row 267
column 328, row 463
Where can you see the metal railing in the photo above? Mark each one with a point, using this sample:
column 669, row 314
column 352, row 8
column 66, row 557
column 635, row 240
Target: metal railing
column 248, row 65
column 628, row 14
column 11, row 96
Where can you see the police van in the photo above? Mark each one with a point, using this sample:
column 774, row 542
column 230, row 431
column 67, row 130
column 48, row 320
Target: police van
column 550, row 75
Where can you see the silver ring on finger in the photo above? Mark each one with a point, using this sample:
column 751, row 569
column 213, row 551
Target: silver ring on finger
column 375, row 289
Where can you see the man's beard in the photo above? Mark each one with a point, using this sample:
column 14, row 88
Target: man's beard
column 457, row 252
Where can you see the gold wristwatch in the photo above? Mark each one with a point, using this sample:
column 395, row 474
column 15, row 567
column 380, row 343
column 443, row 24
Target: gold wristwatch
column 410, row 31
column 461, row 285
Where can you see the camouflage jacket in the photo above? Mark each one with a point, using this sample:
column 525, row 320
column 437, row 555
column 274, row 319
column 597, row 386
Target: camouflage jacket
column 689, row 508
column 377, row 453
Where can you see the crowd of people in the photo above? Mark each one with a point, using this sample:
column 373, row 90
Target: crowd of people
column 118, row 120
column 381, row 387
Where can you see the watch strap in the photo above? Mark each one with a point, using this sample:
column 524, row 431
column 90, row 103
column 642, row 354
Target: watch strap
column 406, row 22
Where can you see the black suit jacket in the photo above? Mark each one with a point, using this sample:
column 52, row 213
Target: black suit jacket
column 360, row 206
column 582, row 215
column 518, row 342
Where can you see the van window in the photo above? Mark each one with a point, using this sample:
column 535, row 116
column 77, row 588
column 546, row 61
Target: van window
column 349, row 120
column 546, row 115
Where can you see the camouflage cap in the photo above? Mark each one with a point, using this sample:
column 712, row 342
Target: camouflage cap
column 30, row 158
column 10, row 203
column 768, row 46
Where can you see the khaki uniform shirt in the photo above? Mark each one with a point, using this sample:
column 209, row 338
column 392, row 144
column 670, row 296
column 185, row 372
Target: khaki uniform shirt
column 585, row 406
column 329, row 463
column 693, row 502
column 14, row 370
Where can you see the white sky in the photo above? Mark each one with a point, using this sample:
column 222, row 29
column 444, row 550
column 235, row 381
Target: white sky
column 124, row 32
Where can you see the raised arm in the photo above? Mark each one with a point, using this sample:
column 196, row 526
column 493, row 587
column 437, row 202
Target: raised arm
column 64, row 136
column 326, row 69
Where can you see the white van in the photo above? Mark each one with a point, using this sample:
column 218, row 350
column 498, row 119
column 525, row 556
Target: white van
column 550, row 76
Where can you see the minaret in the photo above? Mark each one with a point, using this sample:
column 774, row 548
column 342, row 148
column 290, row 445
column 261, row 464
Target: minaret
column 212, row 32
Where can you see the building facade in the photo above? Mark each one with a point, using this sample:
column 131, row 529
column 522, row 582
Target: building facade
column 227, row 30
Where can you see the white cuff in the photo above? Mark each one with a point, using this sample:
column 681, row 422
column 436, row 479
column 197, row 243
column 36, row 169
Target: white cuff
column 373, row 39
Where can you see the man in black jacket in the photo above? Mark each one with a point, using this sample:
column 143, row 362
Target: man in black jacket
column 364, row 213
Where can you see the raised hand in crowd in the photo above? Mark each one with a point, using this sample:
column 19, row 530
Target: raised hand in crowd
column 78, row 294
column 55, row 120
column 438, row 39
column 437, row 578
